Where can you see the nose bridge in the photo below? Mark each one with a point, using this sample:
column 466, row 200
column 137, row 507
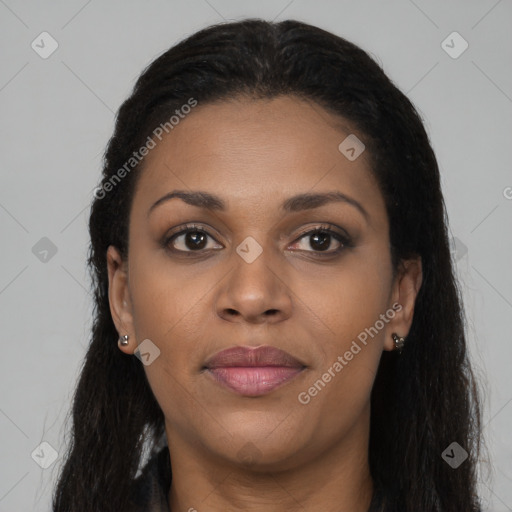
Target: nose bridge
column 254, row 287
column 252, row 263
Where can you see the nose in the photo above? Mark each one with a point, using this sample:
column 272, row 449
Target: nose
column 255, row 292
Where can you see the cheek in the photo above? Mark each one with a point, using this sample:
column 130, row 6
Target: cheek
column 168, row 308
column 348, row 298
column 339, row 387
column 166, row 299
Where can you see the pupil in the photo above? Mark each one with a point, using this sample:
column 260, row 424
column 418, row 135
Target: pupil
column 197, row 238
column 322, row 246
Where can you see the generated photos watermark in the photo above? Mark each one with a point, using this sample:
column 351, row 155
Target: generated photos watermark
column 305, row 397
column 137, row 156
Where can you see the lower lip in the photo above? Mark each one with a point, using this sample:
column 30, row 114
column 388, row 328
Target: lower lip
column 254, row 381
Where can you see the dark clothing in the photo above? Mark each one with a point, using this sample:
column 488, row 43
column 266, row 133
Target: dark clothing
column 151, row 488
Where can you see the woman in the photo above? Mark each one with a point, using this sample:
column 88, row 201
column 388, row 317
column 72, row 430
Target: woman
column 277, row 322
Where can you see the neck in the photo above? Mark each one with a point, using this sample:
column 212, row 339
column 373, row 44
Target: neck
column 335, row 480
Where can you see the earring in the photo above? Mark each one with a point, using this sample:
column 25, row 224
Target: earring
column 123, row 340
column 399, row 342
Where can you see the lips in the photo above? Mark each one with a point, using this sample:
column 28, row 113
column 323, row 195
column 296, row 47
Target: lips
column 251, row 357
column 253, row 371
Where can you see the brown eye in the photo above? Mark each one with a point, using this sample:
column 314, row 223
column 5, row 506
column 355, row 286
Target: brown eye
column 191, row 239
column 195, row 240
column 321, row 240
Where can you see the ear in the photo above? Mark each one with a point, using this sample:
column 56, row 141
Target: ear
column 406, row 286
column 119, row 297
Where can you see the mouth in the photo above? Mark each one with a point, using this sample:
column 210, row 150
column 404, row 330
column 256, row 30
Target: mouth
column 253, row 371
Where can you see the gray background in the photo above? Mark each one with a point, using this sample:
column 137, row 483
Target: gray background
column 57, row 115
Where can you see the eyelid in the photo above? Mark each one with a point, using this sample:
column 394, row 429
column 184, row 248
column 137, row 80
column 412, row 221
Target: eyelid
column 190, row 226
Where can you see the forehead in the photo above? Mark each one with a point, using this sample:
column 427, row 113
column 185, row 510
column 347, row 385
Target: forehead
column 256, row 152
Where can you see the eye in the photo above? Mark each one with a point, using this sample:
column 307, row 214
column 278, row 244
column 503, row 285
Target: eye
column 195, row 239
column 191, row 239
column 320, row 239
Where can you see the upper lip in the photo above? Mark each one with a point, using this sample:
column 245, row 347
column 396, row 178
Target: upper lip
column 252, row 357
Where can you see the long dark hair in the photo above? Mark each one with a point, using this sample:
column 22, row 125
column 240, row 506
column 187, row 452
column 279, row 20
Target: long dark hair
column 422, row 400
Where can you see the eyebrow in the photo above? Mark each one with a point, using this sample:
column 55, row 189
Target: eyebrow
column 296, row 203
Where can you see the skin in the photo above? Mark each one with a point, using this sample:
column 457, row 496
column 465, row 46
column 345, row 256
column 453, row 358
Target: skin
column 255, row 154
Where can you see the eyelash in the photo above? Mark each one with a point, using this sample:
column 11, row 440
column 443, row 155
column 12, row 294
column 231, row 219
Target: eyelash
column 344, row 240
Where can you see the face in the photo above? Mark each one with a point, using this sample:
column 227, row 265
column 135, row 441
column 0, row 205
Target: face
column 251, row 271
